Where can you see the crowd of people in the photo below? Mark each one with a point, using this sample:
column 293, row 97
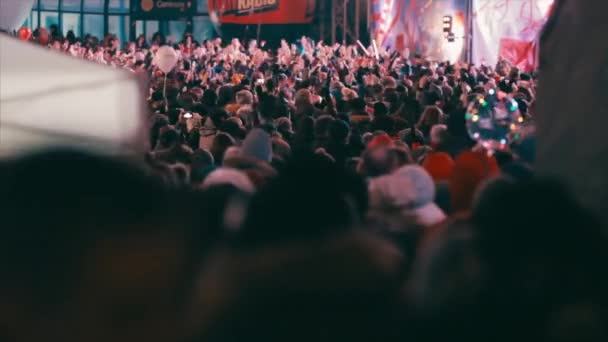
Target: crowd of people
column 311, row 192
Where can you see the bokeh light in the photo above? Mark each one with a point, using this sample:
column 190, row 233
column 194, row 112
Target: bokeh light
column 492, row 121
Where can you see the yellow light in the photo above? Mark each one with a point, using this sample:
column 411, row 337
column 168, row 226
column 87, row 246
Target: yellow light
column 520, row 119
column 475, row 118
column 513, row 127
column 482, row 101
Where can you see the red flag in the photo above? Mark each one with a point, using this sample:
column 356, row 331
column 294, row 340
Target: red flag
column 519, row 53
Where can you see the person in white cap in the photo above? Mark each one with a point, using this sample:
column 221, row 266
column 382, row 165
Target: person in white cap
column 405, row 197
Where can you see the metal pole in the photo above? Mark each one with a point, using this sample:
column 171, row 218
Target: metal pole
column 469, row 55
column 333, row 23
column 60, row 17
column 357, row 19
column 81, row 32
column 106, row 18
column 259, row 32
column 345, row 22
column 321, row 7
column 39, row 15
column 369, row 19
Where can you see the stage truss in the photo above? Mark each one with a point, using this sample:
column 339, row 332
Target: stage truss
column 340, row 20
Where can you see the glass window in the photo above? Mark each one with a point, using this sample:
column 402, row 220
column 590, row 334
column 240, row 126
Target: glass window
column 202, row 28
column 34, row 20
column 49, row 18
column 70, row 22
column 119, row 26
column 49, row 4
column 26, row 23
column 176, row 31
column 202, row 6
column 93, row 25
column 93, row 5
column 151, row 28
column 139, row 28
column 35, row 6
column 118, row 6
column 70, row 5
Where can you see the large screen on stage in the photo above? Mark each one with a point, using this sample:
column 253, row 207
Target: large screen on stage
column 263, row 11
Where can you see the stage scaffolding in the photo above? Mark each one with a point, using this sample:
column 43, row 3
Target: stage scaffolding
column 344, row 21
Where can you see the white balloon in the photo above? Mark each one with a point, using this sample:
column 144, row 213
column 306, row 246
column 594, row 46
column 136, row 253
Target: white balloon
column 166, row 59
column 13, row 13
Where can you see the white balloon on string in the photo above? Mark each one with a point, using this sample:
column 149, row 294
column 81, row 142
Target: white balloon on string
column 166, row 59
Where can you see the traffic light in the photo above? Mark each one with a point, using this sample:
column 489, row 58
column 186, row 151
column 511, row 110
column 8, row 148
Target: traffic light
column 447, row 23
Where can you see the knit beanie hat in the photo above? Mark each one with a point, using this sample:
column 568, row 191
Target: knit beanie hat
column 409, row 191
column 471, row 169
column 257, row 145
column 227, row 176
column 380, row 140
column 439, row 165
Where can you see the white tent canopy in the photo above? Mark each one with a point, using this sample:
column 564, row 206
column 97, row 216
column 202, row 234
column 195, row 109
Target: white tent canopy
column 13, row 13
column 48, row 99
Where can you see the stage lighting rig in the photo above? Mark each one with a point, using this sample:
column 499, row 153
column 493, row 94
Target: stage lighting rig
column 448, row 20
column 448, row 28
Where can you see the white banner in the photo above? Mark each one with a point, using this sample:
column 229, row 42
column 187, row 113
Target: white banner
column 508, row 29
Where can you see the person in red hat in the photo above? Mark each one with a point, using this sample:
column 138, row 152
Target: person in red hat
column 382, row 139
column 471, row 169
column 439, row 165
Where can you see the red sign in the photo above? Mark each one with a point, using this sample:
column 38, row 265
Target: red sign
column 162, row 9
column 263, row 11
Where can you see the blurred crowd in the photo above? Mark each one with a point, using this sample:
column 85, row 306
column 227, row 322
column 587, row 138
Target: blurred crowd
column 309, row 192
